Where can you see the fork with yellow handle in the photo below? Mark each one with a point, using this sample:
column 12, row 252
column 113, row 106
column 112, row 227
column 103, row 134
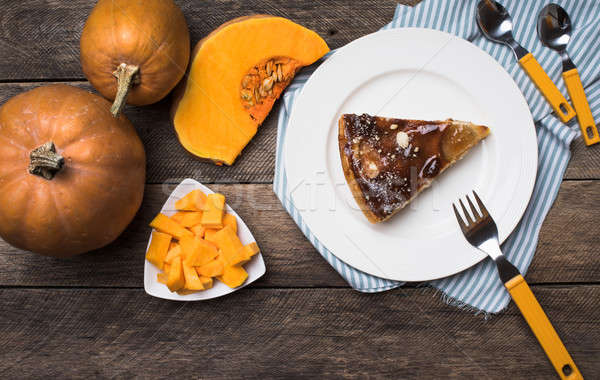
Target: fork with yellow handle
column 481, row 231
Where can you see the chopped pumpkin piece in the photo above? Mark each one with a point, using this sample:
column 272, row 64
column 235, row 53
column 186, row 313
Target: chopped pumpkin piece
column 173, row 253
column 178, row 216
column 158, row 249
column 164, row 224
column 191, row 218
column 167, row 268
column 207, row 282
column 230, row 220
column 213, row 268
column 209, row 234
column 192, row 281
column 233, row 276
column 197, row 252
column 162, row 277
column 213, row 211
column 198, row 230
column 251, row 249
column 193, row 201
column 244, row 254
column 229, row 243
column 176, row 280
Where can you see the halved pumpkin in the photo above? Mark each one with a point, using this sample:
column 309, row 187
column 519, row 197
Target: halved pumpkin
column 236, row 74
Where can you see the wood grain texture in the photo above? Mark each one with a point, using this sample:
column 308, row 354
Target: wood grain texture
column 45, row 33
column 285, row 333
column 566, row 253
column 169, row 162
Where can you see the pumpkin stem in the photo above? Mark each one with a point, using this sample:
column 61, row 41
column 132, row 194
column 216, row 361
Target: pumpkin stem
column 45, row 162
column 127, row 76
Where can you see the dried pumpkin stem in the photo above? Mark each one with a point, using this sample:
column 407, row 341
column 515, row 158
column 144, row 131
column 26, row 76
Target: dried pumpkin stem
column 127, row 76
column 45, row 162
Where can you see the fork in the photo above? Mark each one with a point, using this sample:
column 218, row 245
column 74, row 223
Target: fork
column 481, row 231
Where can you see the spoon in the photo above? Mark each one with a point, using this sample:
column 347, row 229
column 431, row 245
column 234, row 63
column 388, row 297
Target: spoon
column 554, row 29
column 495, row 24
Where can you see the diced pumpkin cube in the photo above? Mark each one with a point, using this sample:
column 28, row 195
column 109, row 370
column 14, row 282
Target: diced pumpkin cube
column 176, row 279
column 233, row 276
column 213, row 268
column 173, row 253
column 159, row 246
column 191, row 218
column 178, row 216
column 212, row 244
column 213, row 211
column 162, row 277
column 251, row 249
column 244, row 254
column 229, row 243
column 173, row 244
column 167, row 268
column 193, row 201
column 192, row 281
column 230, row 220
column 209, row 234
column 198, row 230
column 207, row 282
column 167, row 225
column 197, row 252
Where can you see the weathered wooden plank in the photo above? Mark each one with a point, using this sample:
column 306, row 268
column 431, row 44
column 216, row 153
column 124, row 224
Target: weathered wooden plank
column 567, row 251
column 40, row 38
column 284, row 333
column 169, row 162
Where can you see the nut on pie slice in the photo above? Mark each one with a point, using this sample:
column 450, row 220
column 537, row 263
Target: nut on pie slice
column 388, row 162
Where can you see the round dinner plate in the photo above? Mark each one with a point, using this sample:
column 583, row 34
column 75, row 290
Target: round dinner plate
column 410, row 73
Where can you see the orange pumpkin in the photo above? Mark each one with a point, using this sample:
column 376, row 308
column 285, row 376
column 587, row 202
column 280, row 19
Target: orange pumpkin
column 71, row 175
column 236, row 74
column 135, row 51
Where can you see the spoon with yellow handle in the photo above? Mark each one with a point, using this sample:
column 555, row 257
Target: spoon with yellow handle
column 554, row 29
column 495, row 24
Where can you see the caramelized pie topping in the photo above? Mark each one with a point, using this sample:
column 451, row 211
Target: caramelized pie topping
column 391, row 160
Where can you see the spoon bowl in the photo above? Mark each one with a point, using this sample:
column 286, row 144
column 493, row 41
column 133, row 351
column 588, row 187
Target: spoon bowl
column 495, row 23
column 554, row 27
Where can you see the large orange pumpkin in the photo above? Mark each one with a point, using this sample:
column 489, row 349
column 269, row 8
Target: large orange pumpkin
column 71, row 175
column 135, row 51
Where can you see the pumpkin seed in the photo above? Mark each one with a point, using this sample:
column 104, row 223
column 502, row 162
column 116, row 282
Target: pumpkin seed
column 267, row 84
column 279, row 73
column 269, row 67
column 257, row 95
column 246, row 95
column 246, row 81
column 262, row 91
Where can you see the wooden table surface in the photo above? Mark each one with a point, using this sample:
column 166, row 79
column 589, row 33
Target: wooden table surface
column 89, row 316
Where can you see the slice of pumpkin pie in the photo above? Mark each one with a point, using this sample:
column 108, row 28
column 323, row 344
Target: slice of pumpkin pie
column 388, row 162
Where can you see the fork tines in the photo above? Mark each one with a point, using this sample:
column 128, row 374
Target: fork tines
column 477, row 214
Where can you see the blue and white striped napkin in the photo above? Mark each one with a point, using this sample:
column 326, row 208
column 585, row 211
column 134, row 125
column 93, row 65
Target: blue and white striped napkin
column 479, row 287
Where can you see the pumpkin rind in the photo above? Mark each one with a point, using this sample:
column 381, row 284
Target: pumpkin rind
column 150, row 34
column 211, row 119
column 93, row 197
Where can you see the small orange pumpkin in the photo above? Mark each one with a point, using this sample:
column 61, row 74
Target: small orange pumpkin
column 135, row 51
column 71, row 175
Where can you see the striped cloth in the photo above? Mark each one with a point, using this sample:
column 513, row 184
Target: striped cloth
column 479, row 288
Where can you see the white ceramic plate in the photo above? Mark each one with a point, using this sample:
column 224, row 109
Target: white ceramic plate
column 415, row 74
column 255, row 267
